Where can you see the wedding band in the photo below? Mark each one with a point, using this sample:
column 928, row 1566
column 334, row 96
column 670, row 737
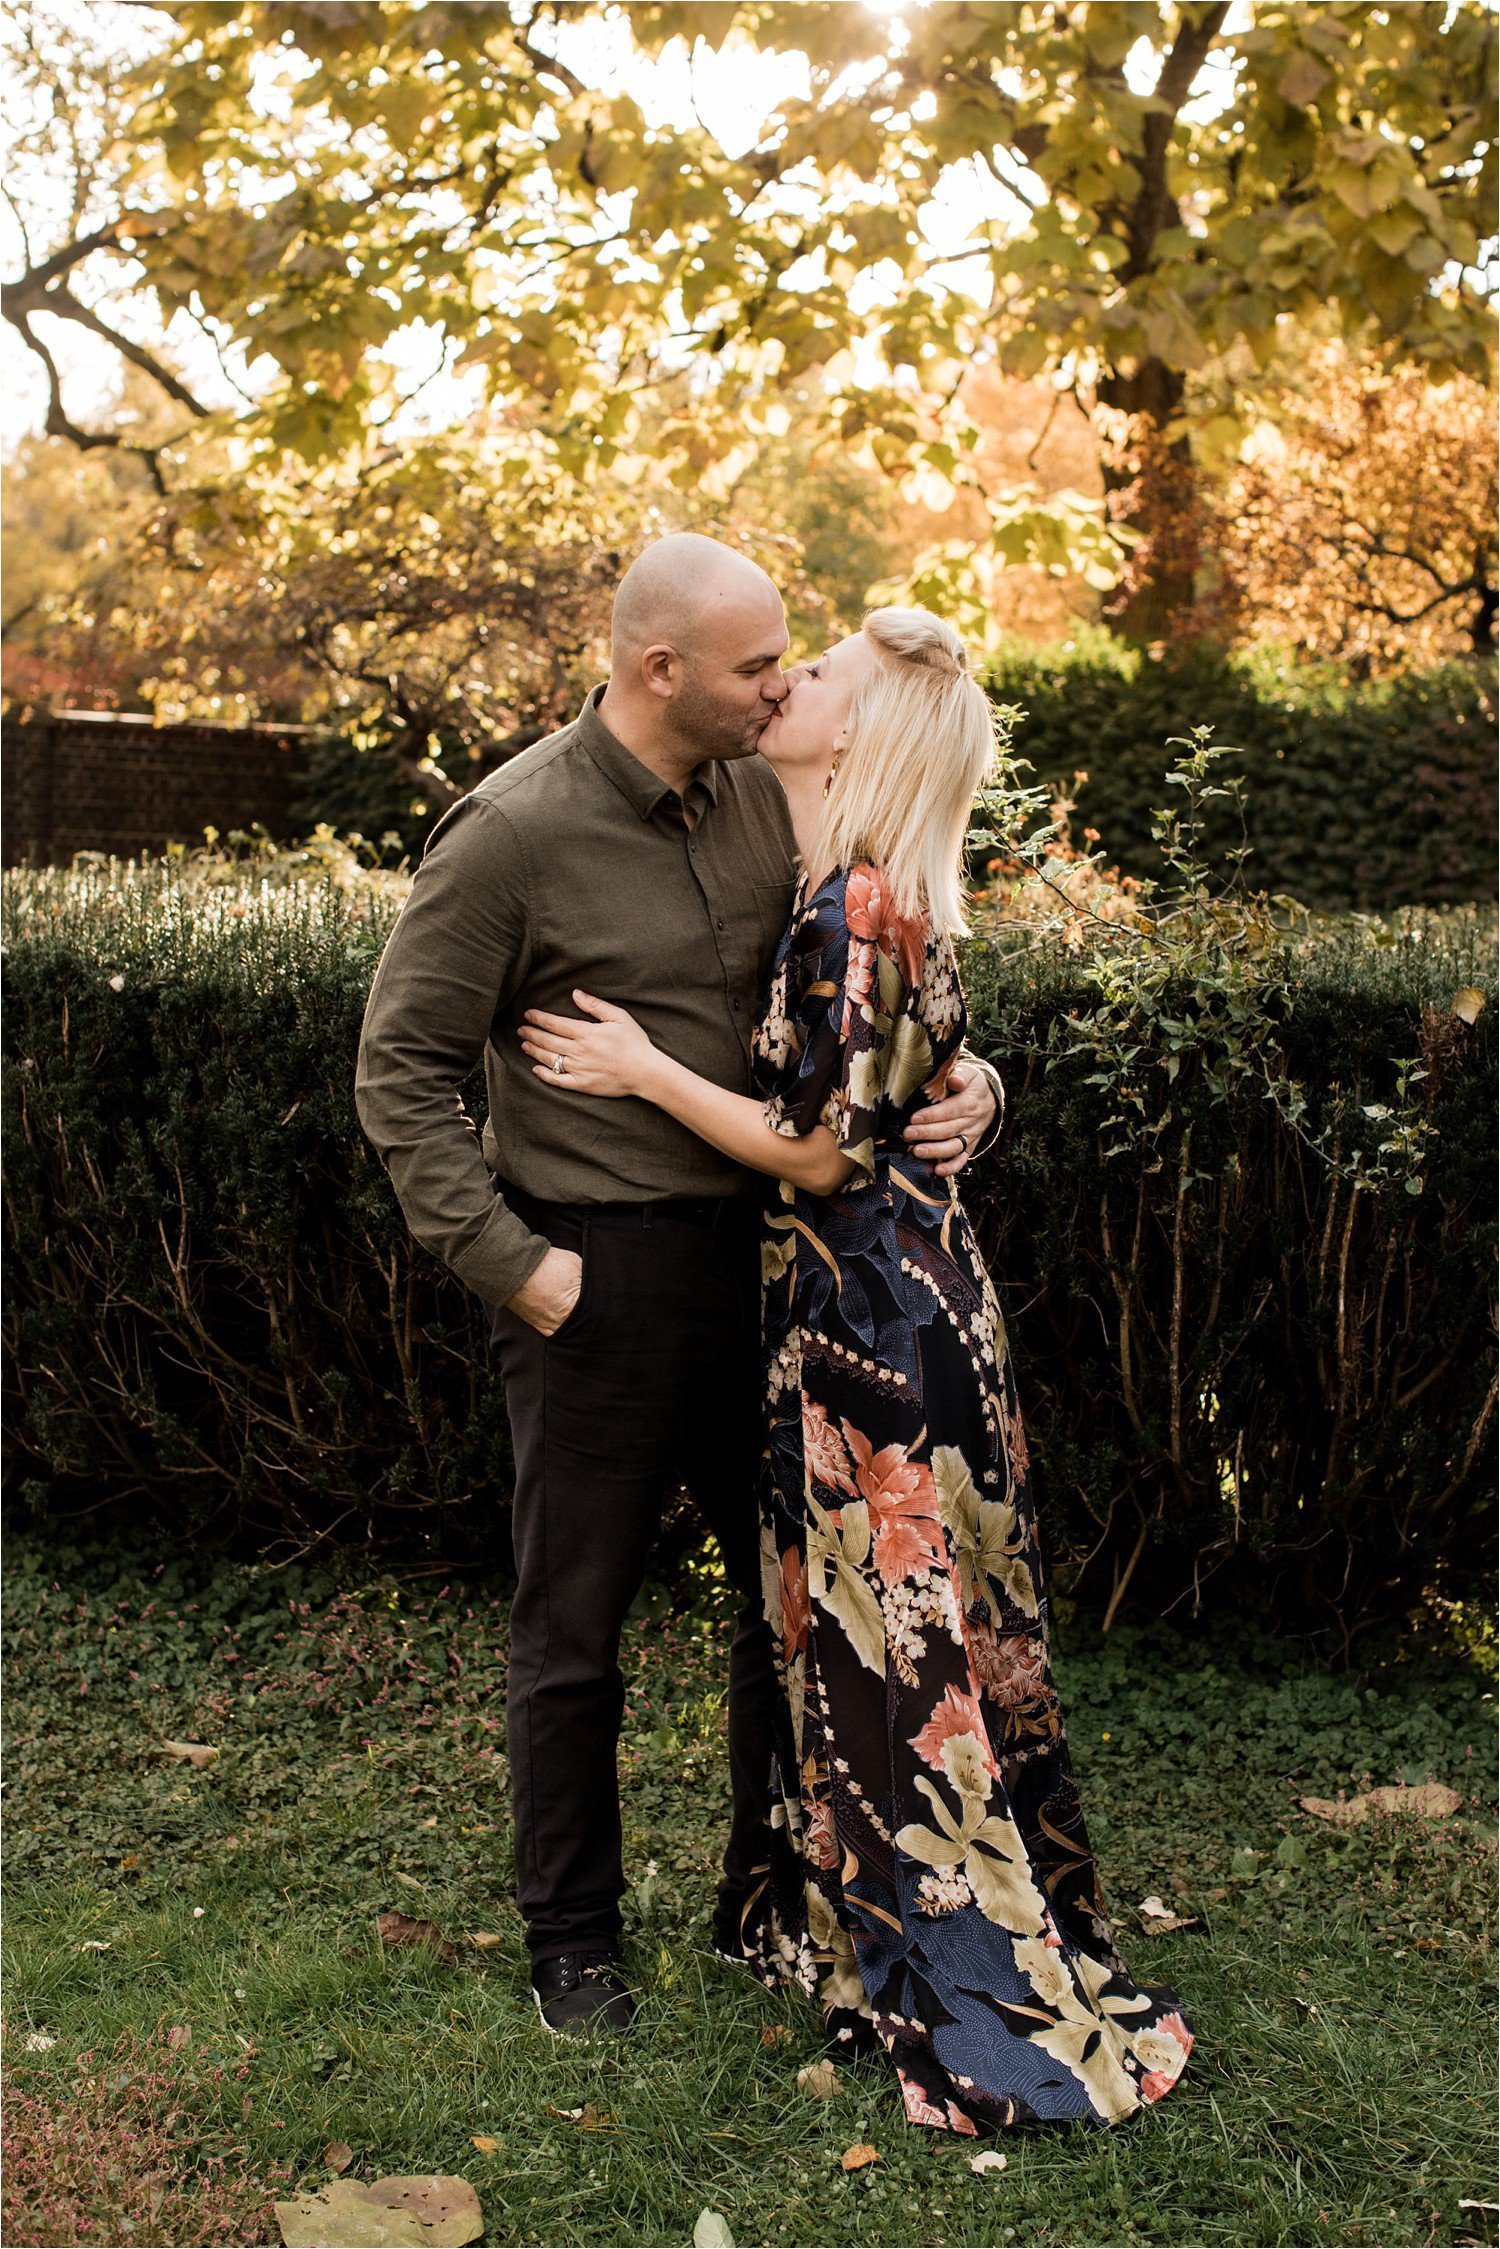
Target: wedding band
column 559, row 1067
column 963, row 1141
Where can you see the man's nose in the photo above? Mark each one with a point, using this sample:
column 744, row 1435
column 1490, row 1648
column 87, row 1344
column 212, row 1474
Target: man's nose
column 786, row 681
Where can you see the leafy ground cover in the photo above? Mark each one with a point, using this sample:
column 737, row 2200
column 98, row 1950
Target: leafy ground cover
column 198, row 2003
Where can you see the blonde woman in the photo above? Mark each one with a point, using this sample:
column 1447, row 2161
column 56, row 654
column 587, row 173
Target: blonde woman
column 931, row 1880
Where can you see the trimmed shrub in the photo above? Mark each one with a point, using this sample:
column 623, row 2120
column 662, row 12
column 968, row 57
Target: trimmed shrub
column 1360, row 794
column 1247, row 1379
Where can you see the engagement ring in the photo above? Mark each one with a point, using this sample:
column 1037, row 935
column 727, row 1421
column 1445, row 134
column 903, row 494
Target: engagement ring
column 559, row 1067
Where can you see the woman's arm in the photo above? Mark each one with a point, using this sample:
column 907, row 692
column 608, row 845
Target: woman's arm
column 612, row 1056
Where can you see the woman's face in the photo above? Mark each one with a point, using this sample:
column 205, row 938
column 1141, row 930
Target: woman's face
column 811, row 716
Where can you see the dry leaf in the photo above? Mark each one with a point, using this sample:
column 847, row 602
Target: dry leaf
column 485, row 1939
column 1429, row 1801
column 195, row 1753
column 38, row 2042
column 427, row 2212
column 820, row 2079
column 775, row 2034
column 177, row 2036
column 989, row 2161
column 484, row 2142
column 588, row 2118
column 95, row 1944
column 712, row 2231
column 859, row 2158
column 1157, row 1918
column 400, row 1929
column 1466, row 1005
column 412, row 1882
column 338, row 2155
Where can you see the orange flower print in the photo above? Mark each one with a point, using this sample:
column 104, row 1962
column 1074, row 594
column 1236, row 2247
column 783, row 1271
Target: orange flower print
column 1013, row 1669
column 1015, row 1442
column 902, row 1500
column 796, row 1610
column 824, row 1448
column 859, row 985
column 955, row 1715
column 822, row 1837
column 870, row 911
column 919, row 2110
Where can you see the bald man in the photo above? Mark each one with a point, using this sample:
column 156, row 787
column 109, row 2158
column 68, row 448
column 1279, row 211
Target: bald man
column 644, row 854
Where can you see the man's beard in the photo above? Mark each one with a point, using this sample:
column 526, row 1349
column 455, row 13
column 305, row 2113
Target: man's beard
column 712, row 728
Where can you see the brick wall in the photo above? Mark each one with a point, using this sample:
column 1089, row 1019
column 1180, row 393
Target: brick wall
column 110, row 781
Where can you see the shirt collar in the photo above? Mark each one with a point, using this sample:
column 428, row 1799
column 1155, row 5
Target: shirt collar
column 635, row 782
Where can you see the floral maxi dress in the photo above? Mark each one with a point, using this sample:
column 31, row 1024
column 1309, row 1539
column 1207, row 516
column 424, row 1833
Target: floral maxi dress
column 931, row 1880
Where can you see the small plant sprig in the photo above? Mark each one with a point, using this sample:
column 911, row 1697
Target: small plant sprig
column 1195, row 978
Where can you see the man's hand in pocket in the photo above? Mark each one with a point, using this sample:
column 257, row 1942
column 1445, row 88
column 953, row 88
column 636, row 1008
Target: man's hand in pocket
column 548, row 1295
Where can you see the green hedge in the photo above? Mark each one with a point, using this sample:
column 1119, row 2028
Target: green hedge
column 1368, row 795
column 1245, row 1381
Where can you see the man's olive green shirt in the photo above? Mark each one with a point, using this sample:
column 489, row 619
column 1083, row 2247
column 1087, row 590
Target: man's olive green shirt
column 573, row 865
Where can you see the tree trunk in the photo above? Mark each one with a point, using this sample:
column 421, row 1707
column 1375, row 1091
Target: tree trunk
column 1159, row 587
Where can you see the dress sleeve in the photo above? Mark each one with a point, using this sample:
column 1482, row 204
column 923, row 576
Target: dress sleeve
column 845, row 1002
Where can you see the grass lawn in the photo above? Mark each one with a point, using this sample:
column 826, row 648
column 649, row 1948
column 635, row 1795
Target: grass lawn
column 199, row 1946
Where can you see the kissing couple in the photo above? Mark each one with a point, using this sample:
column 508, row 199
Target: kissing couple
column 703, row 937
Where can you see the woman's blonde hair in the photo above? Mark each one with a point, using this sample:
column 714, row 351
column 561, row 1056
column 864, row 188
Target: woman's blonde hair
column 920, row 743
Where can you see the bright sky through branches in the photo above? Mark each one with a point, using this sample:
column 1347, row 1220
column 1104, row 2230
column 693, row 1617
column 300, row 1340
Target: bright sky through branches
column 730, row 92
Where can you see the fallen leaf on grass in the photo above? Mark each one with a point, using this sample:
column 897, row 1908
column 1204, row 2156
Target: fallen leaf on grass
column 427, row 2212
column 400, row 1929
column 484, row 2142
column 1157, row 1918
column 588, row 2118
column 338, row 2155
column 859, row 2157
column 989, row 2161
column 412, row 1881
column 96, row 1944
column 177, row 2036
column 485, row 1939
column 39, row 2042
column 712, row 2232
column 196, row 1753
column 1467, row 1004
column 1430, row 1800
column 775, row 2034
column 820, row 2079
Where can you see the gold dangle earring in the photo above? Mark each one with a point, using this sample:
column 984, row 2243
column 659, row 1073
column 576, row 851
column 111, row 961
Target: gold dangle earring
column 838, row 751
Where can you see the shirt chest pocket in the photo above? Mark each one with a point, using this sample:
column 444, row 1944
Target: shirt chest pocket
column 771, row 910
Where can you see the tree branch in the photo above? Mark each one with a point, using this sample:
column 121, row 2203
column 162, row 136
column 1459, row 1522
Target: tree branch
column 60, row 424
column 63, row 305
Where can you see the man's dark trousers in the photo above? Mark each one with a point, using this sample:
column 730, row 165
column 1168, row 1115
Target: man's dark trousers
column 652, row 1382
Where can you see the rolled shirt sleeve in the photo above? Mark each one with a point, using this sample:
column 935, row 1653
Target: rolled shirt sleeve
column 456, row 955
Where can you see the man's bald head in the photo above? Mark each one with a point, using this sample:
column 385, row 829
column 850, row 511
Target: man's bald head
column 679, row 591
column 697, row 638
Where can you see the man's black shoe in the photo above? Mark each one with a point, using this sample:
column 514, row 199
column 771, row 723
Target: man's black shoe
column 726, row 1933
column 582, row 1995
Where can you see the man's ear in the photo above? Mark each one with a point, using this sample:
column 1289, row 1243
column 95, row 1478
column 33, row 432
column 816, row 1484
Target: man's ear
column 660, row 670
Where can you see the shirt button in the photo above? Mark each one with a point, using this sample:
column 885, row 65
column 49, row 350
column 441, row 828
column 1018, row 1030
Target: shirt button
column 719, row 924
